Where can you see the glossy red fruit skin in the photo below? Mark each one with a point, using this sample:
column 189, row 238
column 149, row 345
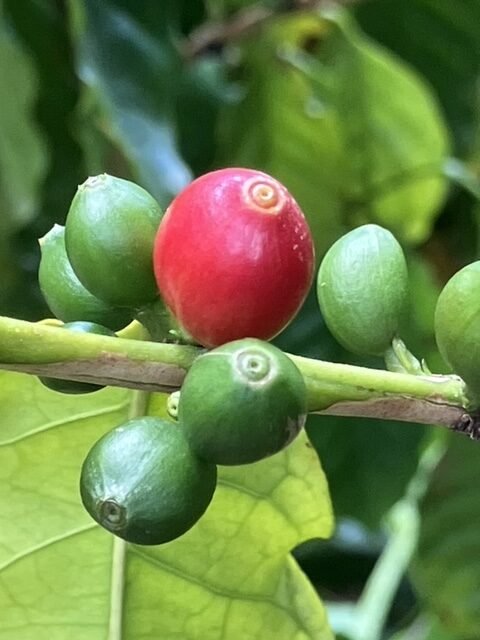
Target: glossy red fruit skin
column 234, row 257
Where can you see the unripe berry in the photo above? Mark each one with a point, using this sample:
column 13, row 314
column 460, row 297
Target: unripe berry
column 457, row 325
column 362, row 289
column 234, row 257
column 65, row 294
column 109, row 235
column 242, row 402
column 143, row 483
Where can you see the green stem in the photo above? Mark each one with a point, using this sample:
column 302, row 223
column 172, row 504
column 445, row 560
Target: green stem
column 43, row 349
column 362, row 383
column 40, row 343
column 339, row 389
column 399, row 359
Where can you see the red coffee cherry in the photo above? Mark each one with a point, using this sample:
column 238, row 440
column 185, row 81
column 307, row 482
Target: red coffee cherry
column 234, row 257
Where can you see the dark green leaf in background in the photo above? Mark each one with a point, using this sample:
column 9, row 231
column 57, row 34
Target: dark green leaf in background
column 425, row 628
column 447, row 571
column 368, row 463
column 42, row 29
column 203, row 91
column 23, row 153
column 133, row 76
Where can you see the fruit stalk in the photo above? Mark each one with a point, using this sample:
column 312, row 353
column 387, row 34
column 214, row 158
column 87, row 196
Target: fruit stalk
column 348, row 390
column 333, row 389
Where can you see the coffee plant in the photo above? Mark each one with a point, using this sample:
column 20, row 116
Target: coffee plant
column 238, row 370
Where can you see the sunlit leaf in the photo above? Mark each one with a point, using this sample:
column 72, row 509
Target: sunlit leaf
column 280, row 127
column 441, row 39
column 353, row 132
column 230, row 576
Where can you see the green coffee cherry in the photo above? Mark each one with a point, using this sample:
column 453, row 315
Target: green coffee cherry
column 143, row 483
column 362, row 289
column 65, row 294
column 72, row 386
column 457, row 325
column 109, row 236
column 242, row 402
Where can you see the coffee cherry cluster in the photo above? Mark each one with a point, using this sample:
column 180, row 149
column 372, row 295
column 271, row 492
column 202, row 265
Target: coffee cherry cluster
column 227, row 267
column 231, row 261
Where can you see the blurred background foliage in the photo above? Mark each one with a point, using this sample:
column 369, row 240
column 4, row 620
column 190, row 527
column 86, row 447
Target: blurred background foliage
column 368, row 110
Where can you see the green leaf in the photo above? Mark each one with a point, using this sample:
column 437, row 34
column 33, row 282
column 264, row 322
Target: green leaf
column 231, row 576
column 135, row 87
column 280, row 127
column 23, row 159
column 23, row 156
column 40, row 27
column 443, row 44
column 368, row 462
column 203, row 91
column 424, row 628
column 352, row 131
column 447, row 570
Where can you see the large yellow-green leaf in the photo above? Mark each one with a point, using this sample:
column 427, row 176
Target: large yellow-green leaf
column 281, row 127
column 353, row 132
column 231, row 576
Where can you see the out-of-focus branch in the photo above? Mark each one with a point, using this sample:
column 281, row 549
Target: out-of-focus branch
column 216, row 34
column 213, row 35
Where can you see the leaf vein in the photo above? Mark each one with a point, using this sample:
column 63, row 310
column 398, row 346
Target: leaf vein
column 44, row 545
column 61, row 423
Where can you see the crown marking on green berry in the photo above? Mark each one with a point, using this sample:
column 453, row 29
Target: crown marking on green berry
column 94, row 181
column 253, row 365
